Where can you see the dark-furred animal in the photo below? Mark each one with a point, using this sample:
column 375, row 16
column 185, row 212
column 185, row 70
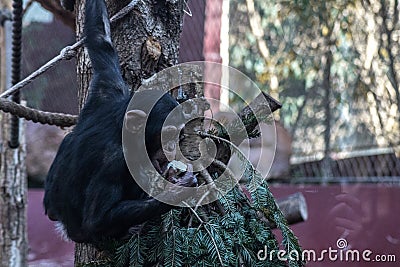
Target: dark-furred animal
column 89, row 188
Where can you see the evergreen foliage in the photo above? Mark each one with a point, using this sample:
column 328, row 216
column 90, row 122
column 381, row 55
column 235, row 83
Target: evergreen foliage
column 203, row 236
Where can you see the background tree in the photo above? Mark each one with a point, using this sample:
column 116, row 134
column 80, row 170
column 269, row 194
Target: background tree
column 13, row 182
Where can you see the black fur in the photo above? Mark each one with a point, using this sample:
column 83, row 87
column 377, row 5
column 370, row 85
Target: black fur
column 89, row 188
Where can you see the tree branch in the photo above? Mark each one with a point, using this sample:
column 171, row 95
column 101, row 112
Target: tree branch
column 59, row 12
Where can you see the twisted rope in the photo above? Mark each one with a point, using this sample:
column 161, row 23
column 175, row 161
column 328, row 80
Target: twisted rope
column 16, row 68
column 58, row 119
column 65, row 54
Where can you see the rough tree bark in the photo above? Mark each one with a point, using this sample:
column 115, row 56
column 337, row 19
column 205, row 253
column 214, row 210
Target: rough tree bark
column 13, row 181
column 147, row 41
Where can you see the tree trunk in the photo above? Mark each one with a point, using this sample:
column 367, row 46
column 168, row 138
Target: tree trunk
column 13, row 181
column 152, row 25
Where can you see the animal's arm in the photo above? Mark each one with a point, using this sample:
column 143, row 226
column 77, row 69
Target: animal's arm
column 102, row 54
column 107, row 211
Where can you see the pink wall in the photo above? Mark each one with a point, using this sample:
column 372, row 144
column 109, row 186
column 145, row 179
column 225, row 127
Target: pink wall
column 46, row 248
column 367, row 216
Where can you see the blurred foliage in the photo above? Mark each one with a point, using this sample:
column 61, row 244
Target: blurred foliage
column 318, row 54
